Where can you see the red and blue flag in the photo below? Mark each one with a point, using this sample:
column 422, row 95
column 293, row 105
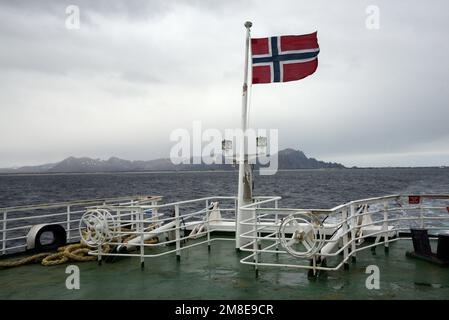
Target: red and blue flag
column 284, row 58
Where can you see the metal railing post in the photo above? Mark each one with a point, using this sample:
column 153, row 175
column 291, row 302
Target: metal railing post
column 68, row 223
column 141, row 227
column 235, row 216
column 344, row 214
column 154, row 212
column 208, row 224
column 276, row 220
column 119, row 221
column 258, row 221
column 133, row 217
column 385, row 226
column 256, row 243
column 353, row 231
column 177, row 225
column 5, row 217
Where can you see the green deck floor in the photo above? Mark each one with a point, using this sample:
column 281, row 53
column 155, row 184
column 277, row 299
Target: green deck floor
column 219, row 275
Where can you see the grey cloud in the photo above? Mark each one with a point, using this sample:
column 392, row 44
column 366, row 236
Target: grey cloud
column 138, row 69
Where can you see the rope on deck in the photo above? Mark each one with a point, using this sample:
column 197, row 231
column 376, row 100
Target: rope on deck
column 73, row 252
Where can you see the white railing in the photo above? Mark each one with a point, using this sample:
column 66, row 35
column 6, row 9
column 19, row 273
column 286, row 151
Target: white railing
column 342, row 230
column 17, row 221
column 177, row 218
column 383, row 219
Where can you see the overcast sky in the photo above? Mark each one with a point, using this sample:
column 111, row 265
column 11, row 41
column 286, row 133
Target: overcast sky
column 136, row 70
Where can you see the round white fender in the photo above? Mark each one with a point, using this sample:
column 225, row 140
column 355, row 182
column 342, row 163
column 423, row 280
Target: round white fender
column 34, row 237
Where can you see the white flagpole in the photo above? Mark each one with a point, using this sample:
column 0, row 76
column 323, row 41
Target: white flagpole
column 245, row 174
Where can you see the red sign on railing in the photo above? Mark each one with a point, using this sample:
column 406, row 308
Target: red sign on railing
column 414, row 199
column 447, row 208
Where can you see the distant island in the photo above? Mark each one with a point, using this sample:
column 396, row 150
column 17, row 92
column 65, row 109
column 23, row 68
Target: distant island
column 287, row 159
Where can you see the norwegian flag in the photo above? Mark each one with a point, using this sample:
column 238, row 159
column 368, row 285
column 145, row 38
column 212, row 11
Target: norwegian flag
column 284, row 58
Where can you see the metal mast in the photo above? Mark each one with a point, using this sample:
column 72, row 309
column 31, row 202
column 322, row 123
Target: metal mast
column 245, row 174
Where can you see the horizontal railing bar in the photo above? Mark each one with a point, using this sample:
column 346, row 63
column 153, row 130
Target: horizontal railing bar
column 95, row 253
column 76, row 202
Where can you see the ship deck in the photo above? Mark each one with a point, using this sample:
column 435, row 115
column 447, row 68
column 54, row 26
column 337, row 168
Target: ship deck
column 220, row 275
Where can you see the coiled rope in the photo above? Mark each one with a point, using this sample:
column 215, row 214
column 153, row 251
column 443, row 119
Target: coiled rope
column 73, row 252
column 20, row 262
